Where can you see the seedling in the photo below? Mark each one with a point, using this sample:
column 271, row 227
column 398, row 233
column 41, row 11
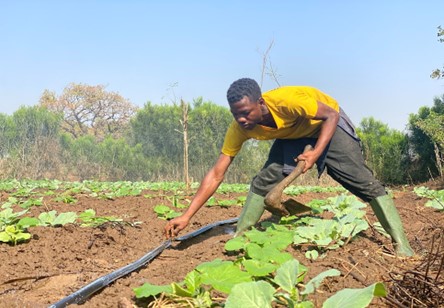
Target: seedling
column 14, row 234
column 52, row 219
column 165, row 213
column 66, row 199
column 436, row 196
column 89, row 219
column 31, row 202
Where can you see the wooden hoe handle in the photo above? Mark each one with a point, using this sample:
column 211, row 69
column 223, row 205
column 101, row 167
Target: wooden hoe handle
column 273, row 198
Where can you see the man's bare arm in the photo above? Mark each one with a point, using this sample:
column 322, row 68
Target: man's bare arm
column 207, row 188
column 330, row 118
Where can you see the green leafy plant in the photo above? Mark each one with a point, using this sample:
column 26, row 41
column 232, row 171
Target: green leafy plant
column 10, row 229
column 165, row 213
column 89, row 219
column 10, row 203
column 14, row 234
column 436, row 196
column 294, row 190
column 52, row 219
column 68, row 199
column 31, row 202
column 9, row 217
column 225, row 202
column 355, row 298
column 323, row 234
column 175, row 201
column 242, row 288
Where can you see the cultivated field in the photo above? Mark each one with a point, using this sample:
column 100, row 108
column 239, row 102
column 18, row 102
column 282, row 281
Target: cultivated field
column 105, row 226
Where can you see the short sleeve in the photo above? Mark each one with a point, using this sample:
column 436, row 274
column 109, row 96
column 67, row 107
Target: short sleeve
column 234, row 138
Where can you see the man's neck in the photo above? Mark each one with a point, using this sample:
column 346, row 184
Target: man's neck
column 268, row 120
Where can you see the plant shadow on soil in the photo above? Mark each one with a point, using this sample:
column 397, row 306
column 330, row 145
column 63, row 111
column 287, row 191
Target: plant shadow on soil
column 58, row 261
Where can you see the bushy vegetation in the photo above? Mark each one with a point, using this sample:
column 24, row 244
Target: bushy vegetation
column 122, row 142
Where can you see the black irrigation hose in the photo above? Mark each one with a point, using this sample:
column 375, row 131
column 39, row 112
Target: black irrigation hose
column 206, row 228
column 85, row 292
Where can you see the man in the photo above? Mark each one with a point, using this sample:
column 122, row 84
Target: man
column 294, row 116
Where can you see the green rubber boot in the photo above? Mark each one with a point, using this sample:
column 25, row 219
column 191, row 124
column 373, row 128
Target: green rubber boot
column 388, row 216
column 251, row 213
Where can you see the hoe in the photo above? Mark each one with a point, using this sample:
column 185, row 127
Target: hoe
column 290, row 206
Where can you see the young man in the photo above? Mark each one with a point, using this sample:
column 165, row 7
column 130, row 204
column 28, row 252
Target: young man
column 294, row 116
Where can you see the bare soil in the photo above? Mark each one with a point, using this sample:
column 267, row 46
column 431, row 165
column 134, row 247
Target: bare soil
column 58, row 261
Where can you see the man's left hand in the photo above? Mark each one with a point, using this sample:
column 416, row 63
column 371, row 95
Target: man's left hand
column 310, row 158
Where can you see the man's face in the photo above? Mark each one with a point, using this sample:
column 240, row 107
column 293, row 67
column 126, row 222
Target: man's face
column 247, row 113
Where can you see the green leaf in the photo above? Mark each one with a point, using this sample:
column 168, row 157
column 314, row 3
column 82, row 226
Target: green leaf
column 377, row 225
column 5, row 237
column 267, row 253
column 172, row 215
column 258, row 268
column 21, row 236
column 281, row 258
column 11, row 202
column 355, row 298
column 180, row 291
column 164, row 212
column 235, row 244
column 289, row 274
column 50, row 218
column 436, row 204
column 65, row 218
column 87, row 214
column 312, row 254
column 280, row 243
column 250, row 295
column 305, row 304
column 147, row 290
column 316, row 281
column 297, row 239
column 27, row 222
column 162, row 209
column 193, row 281
column 222, row 275
column 7, row 216
column 257, row 236
column 14, row 234
column 46, row 218
column 32, row 202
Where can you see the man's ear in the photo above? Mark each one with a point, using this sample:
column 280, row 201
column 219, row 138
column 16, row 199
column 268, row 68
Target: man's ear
column 262, row 105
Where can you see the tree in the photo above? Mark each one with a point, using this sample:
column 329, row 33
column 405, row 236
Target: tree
column 207, row 128
column 431, row 125
column 155, row 128
column 6, row 130
column 385, row 150
column 184, row 122
column 439, row 73
column 108, row 160
column 424, row 162
column 90, row 110
column 30, row 143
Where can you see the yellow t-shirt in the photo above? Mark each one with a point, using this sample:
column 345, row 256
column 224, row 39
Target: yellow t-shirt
column 293, row 109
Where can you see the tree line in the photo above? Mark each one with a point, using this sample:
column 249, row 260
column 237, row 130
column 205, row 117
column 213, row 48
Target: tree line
column 89, row 133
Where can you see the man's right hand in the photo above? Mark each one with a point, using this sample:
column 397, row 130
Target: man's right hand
column 174, row 226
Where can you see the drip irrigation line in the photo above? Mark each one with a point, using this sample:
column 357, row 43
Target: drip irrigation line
column 84, row 293
column 206, row 228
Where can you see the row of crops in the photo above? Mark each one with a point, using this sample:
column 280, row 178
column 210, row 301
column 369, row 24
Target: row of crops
column 264, row 272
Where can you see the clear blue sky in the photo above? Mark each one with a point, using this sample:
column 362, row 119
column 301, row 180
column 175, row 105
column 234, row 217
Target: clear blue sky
column 374, row 57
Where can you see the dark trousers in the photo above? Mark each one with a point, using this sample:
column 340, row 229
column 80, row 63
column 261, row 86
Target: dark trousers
column 344, row 163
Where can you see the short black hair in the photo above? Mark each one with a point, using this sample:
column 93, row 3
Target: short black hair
column 243, row 87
